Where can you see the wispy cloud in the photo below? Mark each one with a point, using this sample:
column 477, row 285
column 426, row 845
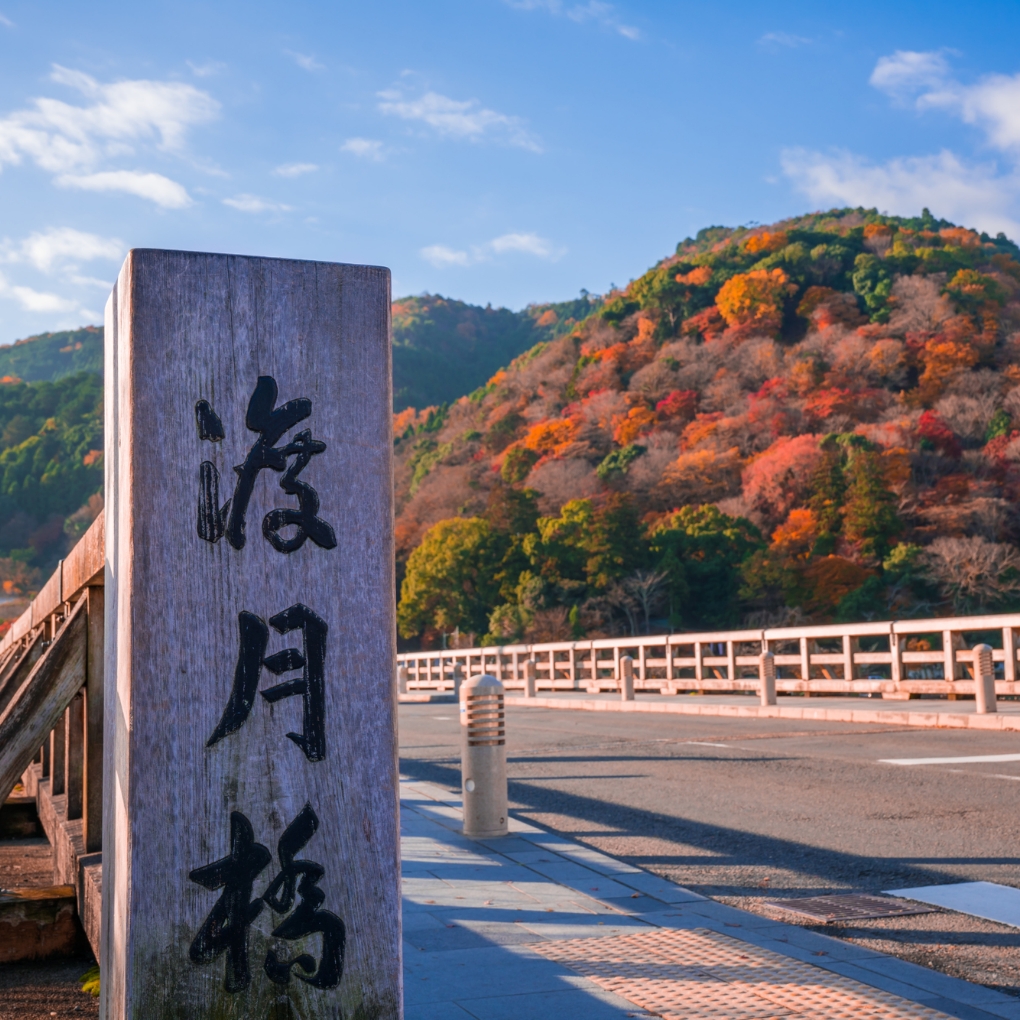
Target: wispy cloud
column 787, row 39
column 364, row 148
column 35, row 300
column 206, row 70
column 6, row 22
column 295, row 169
column 975, row 193
column 62, row 248
column 255, row 204
column 983, row 193
column 304, row 61
column 155, row 187
column 116, row 120
column 455, row 118
column 594, row 10
column 442, row 257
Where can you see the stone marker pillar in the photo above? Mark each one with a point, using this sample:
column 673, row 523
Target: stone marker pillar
column 767, row 676
column 250, row 856
column 626, row 678
column 984, row 681
column 530, row 682
column 402, row 676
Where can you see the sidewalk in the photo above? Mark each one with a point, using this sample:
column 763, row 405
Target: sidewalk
column 536, row 927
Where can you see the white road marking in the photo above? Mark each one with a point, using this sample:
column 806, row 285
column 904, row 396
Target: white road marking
column 980, row 899
column 705, row 743
column 969, row 760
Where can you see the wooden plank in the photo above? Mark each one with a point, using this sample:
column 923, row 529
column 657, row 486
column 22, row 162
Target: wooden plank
column 84, row 563
column 17, row 670
column 48, row 600
column 196, row 763
column 41, row 701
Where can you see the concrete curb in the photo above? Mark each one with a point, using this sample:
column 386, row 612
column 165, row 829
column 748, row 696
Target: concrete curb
column 932, row 720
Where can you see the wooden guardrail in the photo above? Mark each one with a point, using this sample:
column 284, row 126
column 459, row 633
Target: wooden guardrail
column 51, row 717
column 894, row 659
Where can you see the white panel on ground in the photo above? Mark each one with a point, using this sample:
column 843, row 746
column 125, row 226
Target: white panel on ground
column 974, row 759
column 989, row 900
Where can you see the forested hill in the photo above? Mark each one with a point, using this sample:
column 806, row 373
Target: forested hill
column 815, row 419
column 51, row 414
column 50, row 356
column 444, row 348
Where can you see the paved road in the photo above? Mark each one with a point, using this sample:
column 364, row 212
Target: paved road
column 745, row 810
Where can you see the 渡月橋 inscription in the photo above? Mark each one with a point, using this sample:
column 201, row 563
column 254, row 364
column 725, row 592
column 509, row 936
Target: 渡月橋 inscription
column 250, row 848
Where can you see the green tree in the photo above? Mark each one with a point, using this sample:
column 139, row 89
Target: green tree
column 450, row 580
column 702, row 550
column 873, row 285
column 869, row 515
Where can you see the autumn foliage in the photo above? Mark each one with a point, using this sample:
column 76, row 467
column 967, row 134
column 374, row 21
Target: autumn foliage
column 791, row 422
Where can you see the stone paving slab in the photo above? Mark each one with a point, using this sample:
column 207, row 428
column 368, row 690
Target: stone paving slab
column 482, row 927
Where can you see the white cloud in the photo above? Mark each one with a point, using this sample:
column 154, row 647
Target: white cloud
column 155, row 187
column 295, row 169
column 442, row 257
column 594, row 10
column 458, row 118
column 63, row 246
column 304, row 61
column 365, row 148
column 254, row 204
column 908, row 71
column 529, row 244
column 975, row 194
column 783, row 39
column 6, row 22
column 35, row 300
column 209, row 68
column 74, row 140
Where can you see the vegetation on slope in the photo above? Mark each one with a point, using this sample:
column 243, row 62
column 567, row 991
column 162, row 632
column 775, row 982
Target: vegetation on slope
column 818, row 419
column 50, row 356
column 443, row 348
column 51, row 473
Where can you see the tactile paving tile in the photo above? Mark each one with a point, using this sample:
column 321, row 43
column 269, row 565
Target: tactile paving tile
column 701, row 975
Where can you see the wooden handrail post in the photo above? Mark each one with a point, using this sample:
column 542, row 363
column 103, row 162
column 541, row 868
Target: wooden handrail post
column 58, row 777
column 74, row 756
column 92, row 794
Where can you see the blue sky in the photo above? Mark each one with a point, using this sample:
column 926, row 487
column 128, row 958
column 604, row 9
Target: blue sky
column 502, row 151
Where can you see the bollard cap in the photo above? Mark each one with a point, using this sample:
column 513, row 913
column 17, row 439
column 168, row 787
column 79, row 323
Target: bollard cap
column 483, row 684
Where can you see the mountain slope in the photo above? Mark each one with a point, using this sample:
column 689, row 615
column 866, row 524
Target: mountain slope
column 814, row 419
column 50, row 356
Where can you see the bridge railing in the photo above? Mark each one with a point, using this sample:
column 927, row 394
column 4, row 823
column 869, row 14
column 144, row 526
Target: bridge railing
column 891, row 659
column 51, row 717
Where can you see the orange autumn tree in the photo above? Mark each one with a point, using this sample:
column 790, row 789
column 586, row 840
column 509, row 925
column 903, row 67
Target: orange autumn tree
column 755, row 299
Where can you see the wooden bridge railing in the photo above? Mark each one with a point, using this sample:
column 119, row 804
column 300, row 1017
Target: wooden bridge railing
column 893, row 659
column 51, row 717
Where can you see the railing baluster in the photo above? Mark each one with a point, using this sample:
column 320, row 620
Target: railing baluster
column 92, row 794
column 74, row 721
column 58, row 778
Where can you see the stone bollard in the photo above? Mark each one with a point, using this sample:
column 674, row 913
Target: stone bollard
column 483, row 757
column 530, row 673
column 984, row 681
column 626, row 678
column 458, row 679
column 767, row 674
column 402, row 677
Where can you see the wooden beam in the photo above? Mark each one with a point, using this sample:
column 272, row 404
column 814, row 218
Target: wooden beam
column 92, row 807
column 42, row 699
column 18, row 669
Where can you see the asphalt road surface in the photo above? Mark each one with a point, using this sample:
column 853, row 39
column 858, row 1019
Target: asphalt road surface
column 750, row 810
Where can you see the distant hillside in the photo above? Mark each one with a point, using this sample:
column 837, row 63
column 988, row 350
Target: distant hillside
column 51, row 356
column 817, row 419
column 444, row 348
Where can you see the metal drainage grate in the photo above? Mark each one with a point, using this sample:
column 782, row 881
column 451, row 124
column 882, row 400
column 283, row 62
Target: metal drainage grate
column 849, row 907
column 702, row 975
